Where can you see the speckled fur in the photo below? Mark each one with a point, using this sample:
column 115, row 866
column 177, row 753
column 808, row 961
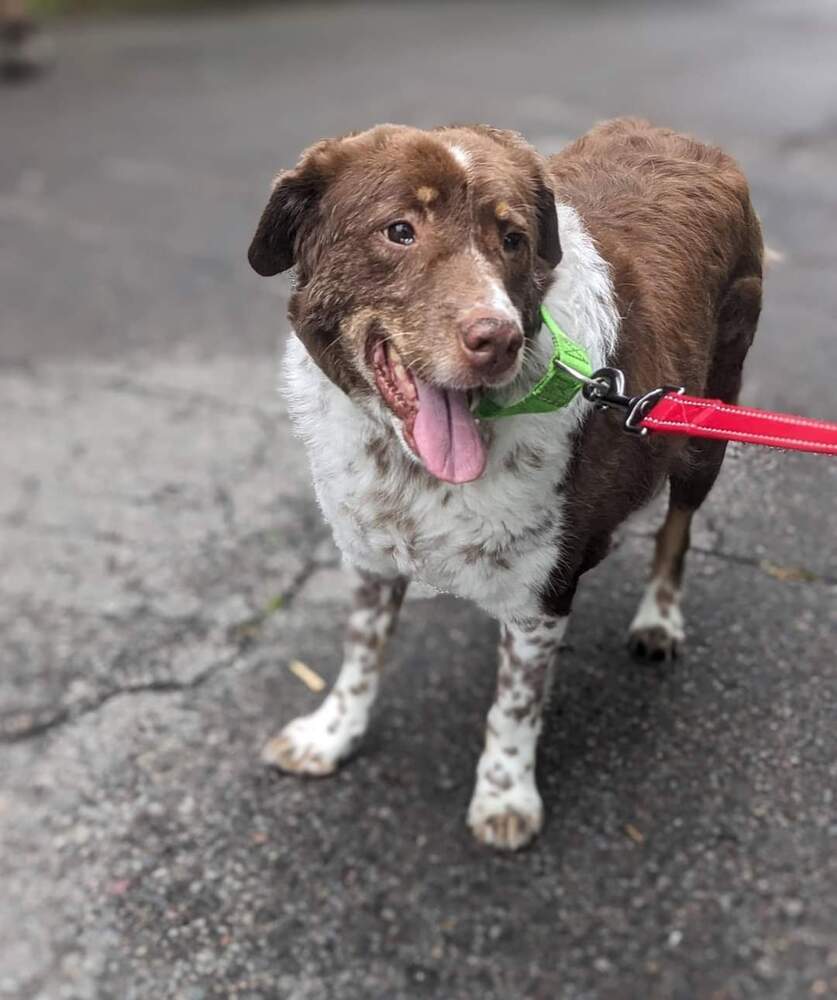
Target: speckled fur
column 494, row 540
column 668, row 257
column 506, row 809
column 315, row 744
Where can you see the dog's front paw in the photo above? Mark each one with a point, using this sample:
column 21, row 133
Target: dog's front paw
column 310, row 745
column 508, row 820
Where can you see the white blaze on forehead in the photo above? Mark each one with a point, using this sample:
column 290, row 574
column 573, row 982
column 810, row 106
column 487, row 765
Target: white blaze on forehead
column 495, row 296
column 460, row 155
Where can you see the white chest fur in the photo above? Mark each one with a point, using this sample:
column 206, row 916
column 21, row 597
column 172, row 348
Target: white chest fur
column 494, row 540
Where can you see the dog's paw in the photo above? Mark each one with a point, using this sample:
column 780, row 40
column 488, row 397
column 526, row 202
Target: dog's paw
column 655, row 643
column 507, row 821
column 657, row 631
column 307, row 746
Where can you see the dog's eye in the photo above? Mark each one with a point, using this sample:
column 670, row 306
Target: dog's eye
column 513, row 241
column 401, row 232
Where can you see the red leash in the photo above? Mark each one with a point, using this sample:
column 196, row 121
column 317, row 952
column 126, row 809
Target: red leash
column 664, row 411
column 674, row 413
column 669, row 411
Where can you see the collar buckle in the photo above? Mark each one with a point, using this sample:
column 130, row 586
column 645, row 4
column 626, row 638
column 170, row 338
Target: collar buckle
column 605, row 389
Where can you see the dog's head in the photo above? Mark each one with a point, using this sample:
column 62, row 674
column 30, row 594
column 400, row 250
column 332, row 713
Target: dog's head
column 421, row 262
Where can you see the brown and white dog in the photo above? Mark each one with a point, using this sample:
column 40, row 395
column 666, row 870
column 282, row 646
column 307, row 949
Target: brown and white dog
column 422, row 258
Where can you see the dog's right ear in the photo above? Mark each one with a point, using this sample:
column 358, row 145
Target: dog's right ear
column 292, row 211
column 291, row 208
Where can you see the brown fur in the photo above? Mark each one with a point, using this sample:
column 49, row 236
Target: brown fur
column 671, row 216
column 343, row 195
column 673, row 219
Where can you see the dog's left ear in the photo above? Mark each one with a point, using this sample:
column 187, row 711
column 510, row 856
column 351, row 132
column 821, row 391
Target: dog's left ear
column 549, row 244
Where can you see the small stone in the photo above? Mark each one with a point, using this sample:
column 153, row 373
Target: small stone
column 765, row 967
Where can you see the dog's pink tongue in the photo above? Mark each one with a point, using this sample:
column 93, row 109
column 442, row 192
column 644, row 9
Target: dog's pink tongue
column 446, row 435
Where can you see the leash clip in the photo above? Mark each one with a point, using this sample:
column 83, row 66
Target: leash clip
column 605, row 389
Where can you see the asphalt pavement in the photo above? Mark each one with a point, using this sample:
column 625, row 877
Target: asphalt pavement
column 162, row 560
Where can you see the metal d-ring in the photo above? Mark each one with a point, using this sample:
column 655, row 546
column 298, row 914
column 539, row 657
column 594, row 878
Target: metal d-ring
column 606, row 390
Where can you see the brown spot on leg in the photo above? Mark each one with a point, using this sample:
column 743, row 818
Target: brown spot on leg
column 671, row 546
column 666, row 597
column 499, row 779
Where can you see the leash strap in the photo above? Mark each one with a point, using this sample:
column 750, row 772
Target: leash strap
column 665, row 410
column 712, row 418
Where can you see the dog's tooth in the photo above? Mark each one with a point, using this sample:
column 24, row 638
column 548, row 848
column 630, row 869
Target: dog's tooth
column 405, row 381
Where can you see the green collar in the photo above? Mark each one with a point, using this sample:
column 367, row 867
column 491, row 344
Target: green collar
column 556, row 388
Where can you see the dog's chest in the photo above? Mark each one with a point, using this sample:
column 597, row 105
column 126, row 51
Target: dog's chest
column 493, row 541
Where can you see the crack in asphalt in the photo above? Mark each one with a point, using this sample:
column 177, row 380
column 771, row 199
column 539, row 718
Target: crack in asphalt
column 72, row 714
column 239, row 634
column 811, row 579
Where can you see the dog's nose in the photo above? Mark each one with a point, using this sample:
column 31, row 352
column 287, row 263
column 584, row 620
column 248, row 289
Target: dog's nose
column 490, row 341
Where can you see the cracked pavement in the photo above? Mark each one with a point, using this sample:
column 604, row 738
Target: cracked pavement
column 163, row 560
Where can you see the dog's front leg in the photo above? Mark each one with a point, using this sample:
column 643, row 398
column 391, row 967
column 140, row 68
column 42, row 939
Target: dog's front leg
column 506, row 810
column 316, row 743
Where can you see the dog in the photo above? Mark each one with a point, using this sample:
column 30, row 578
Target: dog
column 422, row 259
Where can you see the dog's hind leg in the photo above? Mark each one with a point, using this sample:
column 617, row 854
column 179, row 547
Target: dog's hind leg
column 506, row 810
column 657, row 630
column 315, row 744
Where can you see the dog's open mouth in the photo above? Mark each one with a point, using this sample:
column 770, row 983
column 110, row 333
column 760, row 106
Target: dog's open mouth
column 438, row 423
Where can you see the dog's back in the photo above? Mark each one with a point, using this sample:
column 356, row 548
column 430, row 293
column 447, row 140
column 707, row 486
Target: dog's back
column 673, row 218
